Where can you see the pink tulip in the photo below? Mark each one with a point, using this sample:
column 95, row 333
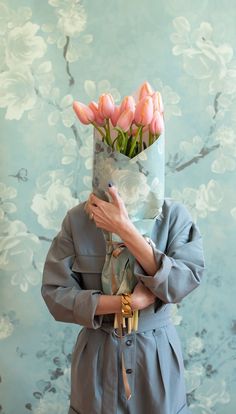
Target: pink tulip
column 145, row 90
column 115, row 115
column 128, row 103
column 83, row 112
column 144, row 111
column 157, row 126
column 125, row 120
column 106, row 105
column 157, row 102
column 97, row 118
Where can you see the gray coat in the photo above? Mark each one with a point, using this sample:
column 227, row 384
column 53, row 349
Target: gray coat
column 71, row 287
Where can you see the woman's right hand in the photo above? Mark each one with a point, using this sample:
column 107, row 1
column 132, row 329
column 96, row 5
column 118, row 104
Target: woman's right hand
column 141, row 297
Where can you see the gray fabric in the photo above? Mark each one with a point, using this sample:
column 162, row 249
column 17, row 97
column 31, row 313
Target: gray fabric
column 71, row 286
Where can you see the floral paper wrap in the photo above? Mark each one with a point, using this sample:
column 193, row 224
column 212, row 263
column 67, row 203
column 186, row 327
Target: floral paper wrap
column 140, row 183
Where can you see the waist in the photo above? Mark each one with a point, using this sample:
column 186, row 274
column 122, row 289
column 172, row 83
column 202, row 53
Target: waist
column 147, row 320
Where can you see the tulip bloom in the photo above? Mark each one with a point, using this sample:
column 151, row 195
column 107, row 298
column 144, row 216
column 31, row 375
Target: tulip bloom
column 115, row 115
column 125, row 120
column 157, row 102
column 128, row 103
column 106, row 105
column 144, row 111
column 145, row 90
column 157, row 126
column 83, row 112
column 97, row 118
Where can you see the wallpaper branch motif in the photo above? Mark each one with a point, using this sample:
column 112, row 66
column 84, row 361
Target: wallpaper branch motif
column 71, row 79
column 53, row 55
column 175, row 160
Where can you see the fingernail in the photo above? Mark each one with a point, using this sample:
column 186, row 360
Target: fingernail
column 110, row 184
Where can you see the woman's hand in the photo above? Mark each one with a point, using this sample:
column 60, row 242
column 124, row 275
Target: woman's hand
column 141, row 297
column 111, row 216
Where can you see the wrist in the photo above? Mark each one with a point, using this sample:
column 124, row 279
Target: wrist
column 134, row 302
column 126, row 230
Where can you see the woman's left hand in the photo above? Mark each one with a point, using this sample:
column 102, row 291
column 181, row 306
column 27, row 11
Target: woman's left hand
column 111, row 216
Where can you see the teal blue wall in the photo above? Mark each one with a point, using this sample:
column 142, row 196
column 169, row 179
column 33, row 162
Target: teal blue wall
column 52, row 52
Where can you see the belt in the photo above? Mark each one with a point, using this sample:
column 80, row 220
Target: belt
column 146, row 323
column 146, row 320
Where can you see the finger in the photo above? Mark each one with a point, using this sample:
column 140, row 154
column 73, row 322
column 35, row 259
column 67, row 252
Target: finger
column 89, row 210
column 117, row 200
column 95, row 200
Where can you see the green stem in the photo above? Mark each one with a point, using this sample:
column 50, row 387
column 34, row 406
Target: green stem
column 126, row 142
column 99, row 130
column 113, row 144
column 124, row 139
column 141, row 141
column 134, row 141
column 109, row 141
column 150, row 139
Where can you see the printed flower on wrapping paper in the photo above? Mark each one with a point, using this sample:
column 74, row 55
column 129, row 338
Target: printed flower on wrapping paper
column 18, row 246
column 202, row 59
column 4, row 18
column 7, row 193
column 18, row 93
column 23, row 46
column 133, row 186
column 227, row 151
column 52, row 206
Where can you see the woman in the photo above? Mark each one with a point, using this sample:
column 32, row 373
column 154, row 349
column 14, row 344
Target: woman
column 167, row 269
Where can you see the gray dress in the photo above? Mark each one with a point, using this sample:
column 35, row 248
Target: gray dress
column 153, row 359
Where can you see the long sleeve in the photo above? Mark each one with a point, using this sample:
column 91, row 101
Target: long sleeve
column 61, row 290
column 181, row 266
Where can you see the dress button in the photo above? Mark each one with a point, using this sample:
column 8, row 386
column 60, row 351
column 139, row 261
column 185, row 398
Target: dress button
column 129, row 371
column 129, row 342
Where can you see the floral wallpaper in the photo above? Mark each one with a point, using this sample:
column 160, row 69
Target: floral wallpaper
column 52, row 52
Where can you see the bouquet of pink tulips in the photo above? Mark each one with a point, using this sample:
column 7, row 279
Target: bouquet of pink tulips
column 123, row 127
column 129, row 151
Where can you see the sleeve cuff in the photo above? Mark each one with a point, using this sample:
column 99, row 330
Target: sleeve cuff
column 86, row 302
column 164, row 264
